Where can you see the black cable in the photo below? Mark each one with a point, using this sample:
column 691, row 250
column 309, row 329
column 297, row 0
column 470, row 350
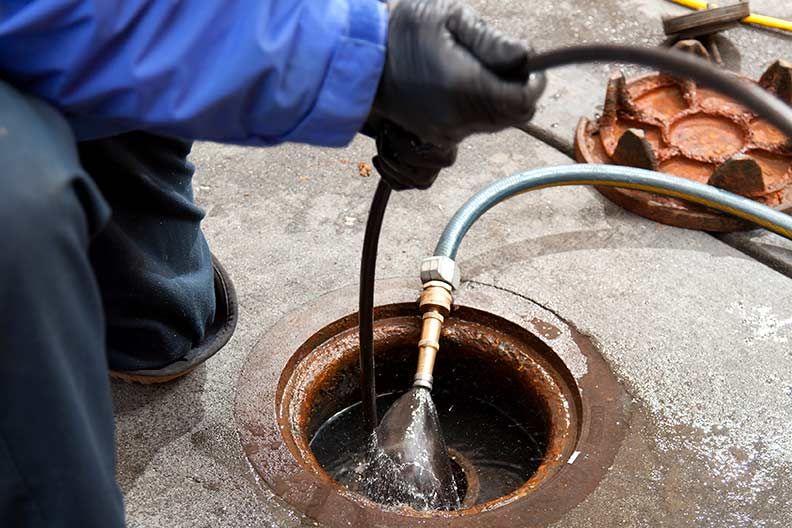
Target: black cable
column 677, row 63
column 368, row 267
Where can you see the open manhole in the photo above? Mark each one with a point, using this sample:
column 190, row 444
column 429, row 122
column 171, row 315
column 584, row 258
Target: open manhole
column 531, row 413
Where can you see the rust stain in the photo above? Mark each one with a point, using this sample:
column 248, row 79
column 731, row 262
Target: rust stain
column 274, row 425
column 546, row 329
column 668, row 124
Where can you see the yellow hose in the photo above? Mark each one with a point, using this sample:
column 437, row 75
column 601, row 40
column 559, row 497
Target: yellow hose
column 768, row 21
column 755, row 18
column 692, row 4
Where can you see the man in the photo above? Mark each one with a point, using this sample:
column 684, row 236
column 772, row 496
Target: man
column 102, row 259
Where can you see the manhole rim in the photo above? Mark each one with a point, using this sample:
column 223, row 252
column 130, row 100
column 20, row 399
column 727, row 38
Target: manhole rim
column 602, row 426
column 560, row 396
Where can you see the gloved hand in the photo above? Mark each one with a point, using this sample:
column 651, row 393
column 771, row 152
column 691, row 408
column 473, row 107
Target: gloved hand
column 403, row 160
column 447, row 75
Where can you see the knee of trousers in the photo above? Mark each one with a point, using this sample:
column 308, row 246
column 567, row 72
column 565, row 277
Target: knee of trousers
column 46, row 198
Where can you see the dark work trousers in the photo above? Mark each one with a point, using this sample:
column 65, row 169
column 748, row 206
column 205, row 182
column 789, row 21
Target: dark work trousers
column 102, row 263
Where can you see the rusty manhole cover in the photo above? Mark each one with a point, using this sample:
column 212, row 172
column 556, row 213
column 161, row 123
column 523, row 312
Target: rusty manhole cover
column 506, row 361
column 659, row 122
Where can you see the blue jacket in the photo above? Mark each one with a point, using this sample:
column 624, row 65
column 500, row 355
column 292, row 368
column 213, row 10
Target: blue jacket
column 255, row 72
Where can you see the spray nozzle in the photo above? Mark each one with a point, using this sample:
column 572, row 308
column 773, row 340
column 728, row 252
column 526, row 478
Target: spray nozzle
column 435, row 304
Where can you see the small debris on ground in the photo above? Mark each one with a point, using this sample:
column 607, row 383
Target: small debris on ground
column 364, row 169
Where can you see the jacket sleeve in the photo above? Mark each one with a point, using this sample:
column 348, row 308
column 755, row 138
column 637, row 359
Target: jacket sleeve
column 256, row 72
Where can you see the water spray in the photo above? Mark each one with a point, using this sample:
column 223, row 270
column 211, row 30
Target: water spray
column 408, row 457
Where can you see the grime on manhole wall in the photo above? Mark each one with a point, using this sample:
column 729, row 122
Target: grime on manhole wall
column 530, row 410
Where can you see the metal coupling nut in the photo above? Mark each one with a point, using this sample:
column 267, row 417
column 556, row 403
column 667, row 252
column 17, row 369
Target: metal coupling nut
column 440, row 269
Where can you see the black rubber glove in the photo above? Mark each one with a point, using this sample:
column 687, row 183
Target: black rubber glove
column 447, row 75
column 403, row 160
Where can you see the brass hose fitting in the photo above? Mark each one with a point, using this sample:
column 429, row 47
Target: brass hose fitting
column 435, row 304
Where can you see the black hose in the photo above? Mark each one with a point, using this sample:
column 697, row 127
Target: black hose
column 368, row 268
column 677, row 63
column 673, row 61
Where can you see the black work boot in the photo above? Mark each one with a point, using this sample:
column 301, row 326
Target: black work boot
column 169, row 304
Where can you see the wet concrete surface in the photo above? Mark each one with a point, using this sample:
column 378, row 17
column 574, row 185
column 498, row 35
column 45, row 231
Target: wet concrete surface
column 705, row 360
column 697, row 331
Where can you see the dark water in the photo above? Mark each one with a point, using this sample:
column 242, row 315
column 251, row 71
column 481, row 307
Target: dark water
column 504, row 452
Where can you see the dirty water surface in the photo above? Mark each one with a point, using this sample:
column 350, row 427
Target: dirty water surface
column 503, row 451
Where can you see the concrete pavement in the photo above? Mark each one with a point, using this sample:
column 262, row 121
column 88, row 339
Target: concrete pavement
column 697, row 331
